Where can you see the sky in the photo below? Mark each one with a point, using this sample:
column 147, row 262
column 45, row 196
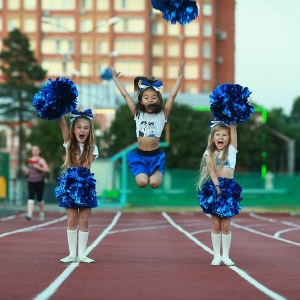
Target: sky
column 267, row 50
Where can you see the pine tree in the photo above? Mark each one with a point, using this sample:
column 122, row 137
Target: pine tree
column 21, row 74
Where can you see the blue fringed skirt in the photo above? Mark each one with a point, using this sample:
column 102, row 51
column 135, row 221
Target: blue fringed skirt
column 224, row 205
column 76, row 188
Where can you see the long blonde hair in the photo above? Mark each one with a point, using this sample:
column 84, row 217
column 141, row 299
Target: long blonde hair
column 211, row 148
column 73, row 156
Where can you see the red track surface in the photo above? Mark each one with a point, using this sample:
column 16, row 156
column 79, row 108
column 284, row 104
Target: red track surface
column 151, row 256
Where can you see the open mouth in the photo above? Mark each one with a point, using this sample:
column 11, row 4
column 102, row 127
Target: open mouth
column 81, row 136
column 220, row 143
column 151, row 106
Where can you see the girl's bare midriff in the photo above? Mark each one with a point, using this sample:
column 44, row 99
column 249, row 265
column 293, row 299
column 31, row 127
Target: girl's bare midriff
column 226, row 173
column 148, row 143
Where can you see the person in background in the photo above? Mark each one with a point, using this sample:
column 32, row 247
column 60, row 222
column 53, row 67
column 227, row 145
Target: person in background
column 37, row 167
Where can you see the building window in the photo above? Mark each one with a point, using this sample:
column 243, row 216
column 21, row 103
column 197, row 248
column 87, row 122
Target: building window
column 207, row 29
column 13, row 5
column 65, row 24
column 192, row 29
column 129, row 5
column 133, row 25
column 86, row 69
column 173, row 50
column 102, row 47
column 130, row 46
column 86, row 26
column 87, row 4
column 131, row 67
column 157, row 71
column 13, row 24
column 157, row 28
column 102, row 5
column 53, row 66
column 157, row 50
column 206, row 72
column 173, row 30
column 54, row 46
column 86, row 47
column 206, row 51
column 191, row 50
column 58, row 5
column 30, row 25
column 207, row 9
column 32, row 45
column 172, row 71
column 191, row 71
column 30, row 4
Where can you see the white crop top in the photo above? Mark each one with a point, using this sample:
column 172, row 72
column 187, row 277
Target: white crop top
column 150, row 125
column 231, row 160
column 95, row 152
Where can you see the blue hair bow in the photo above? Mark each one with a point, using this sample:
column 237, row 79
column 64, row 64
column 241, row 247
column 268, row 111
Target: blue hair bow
column 75, row 114
column 155, row 85
column 214, row 123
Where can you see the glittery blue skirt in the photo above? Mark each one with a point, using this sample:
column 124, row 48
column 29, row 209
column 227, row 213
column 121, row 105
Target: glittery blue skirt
column 224, row 205
column 76, row 188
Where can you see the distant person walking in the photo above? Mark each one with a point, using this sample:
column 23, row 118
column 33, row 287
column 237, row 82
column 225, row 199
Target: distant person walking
column 37, row 167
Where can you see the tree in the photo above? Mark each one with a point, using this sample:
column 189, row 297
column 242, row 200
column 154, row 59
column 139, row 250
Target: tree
column 21, row 73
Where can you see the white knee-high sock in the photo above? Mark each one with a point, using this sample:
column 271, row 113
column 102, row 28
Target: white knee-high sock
column 30, row 207
column 216, row 244
column 72, row 242
column 82, row 242
column 226, row 241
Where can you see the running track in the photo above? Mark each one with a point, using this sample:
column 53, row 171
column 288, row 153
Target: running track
column 150, row 255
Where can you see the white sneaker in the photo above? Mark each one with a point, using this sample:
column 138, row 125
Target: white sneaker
column 216, row 261
column 227, row 261
column 28, row 217
column 86, row 260
column 69, row 259
column 42, row 216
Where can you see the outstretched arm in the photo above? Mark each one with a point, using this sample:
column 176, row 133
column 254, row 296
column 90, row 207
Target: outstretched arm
column 174, row 91
column 233, row 135
column 124, row 93
column 64, row 128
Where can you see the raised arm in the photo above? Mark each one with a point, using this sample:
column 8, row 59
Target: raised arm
column 233, row 135
column 174, row 91
column 64, row 128
column 124, row 93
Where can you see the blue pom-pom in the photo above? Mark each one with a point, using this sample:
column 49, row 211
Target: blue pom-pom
column 229, row 103
column 181, row 11
column 58, row 97
column 76, row 188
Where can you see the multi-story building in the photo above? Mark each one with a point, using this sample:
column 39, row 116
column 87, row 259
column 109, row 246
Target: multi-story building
column 81, row 38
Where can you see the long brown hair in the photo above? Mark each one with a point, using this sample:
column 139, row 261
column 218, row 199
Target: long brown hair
column 73, row 156
column 212, row 148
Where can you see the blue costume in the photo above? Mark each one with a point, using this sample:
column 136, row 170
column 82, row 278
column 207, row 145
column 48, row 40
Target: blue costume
column 76, row 187
column 226, row 204
column 139, row 161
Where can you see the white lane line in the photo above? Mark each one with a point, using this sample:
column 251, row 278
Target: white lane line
column 30, row 228
column 244, row 275
column 273, row 220
column 52, row 288
column 264, row 234
column 278, row 233
column 8, row 218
